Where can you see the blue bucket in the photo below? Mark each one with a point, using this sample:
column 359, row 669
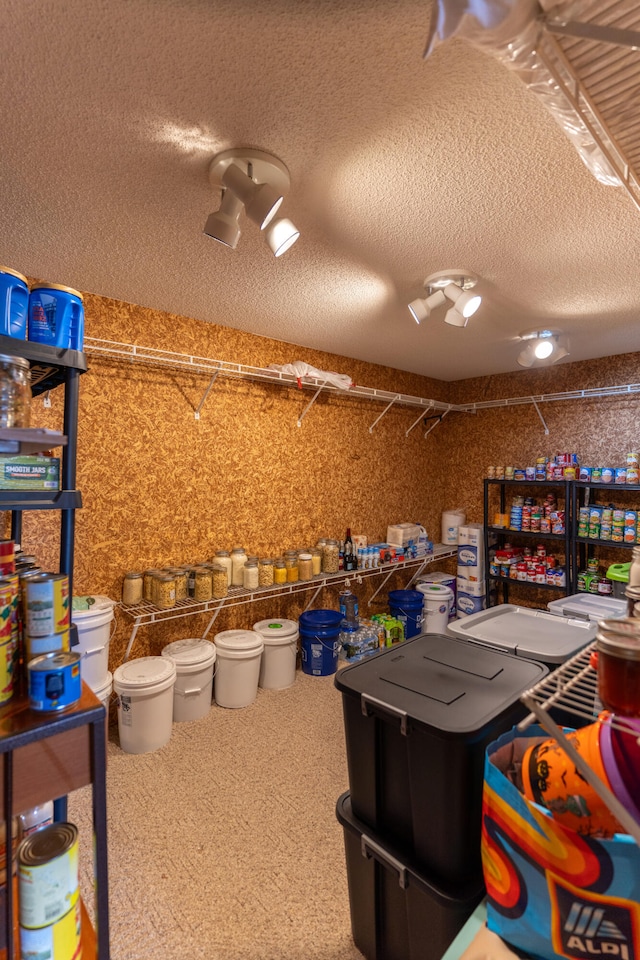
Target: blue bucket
column 56, row 317
column 319, row 632
column 14, row 301
column 406, row 606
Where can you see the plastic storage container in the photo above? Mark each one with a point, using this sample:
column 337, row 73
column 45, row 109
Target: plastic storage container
column 278, row 664
column 319, row 640
column 618, row 573
column 418, row 718
column 145, row 703
column 14, row 303
column 588, row 606
column 238, row 667
column 194, row 660
column 396, row 911
column 406, row 606
column 437, row 600
column 94, row 620
column 56, row 316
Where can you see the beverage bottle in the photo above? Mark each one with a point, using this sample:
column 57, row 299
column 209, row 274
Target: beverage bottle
column 350, row 558
column 349, row 611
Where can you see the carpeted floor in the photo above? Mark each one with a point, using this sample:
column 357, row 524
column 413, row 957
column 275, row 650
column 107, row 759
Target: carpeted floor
column 224, row 844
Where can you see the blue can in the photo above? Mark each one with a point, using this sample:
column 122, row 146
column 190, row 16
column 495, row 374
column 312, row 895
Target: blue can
column 14, row 301
column 56, row 316
column 54, row 681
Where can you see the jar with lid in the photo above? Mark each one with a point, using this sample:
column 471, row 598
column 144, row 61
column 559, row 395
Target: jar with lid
column 618, row 647
column 238, row 560
column 634, row 569
column 632, row 595
column 219, row 581
column 279, row 571
column 165, row 590
column 147, row 582
column 132, row 588
column 223, row 559
column 181, row 582
column 305, row 566
column 202, row 587
column 15, row 391
column 331, row 557
column 250, row 575
column 291, row 566
column 265, row 572
column 316, row 561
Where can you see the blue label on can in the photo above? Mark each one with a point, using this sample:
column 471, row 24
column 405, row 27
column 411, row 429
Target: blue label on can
column 56, row 688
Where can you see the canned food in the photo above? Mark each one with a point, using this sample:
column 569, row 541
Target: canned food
column 54, row 681
column 530, row 473
column 594, row 584
column 596, row 474
column 608, row 475
column 46, row 603
column 584, row 474
column 620, row 475
column 633, row 475
column 54, row 643
column 605, row 587
column 47, row 875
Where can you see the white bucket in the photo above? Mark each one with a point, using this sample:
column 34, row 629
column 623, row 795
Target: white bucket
column 435, row 608
column 104, row 690
column 278, row 665
column 238, row 667
column 95, row 628
column 145, row 703
column 194, row 660
column 451, row 520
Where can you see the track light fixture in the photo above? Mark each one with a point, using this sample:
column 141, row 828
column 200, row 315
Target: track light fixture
column 446, row 285
column 256, row 181
column 543, row 347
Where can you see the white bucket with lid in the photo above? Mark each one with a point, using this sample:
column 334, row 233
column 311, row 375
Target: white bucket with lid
column 435, row 607
column 104, row 690
column 451, row 520
column 278, row 665
column 94, row 619
column 239, row 653
column 194, row 660
column 145, row 703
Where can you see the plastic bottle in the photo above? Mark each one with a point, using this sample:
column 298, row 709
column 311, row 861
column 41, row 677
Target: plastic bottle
column 349, row 611
column 37, row 817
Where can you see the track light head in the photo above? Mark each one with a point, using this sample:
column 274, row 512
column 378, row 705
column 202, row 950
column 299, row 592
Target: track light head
column 455, row 318
column 280, row 235
column 453, row 285
column 421, row 309
column 261, row 200
column 224, row 225
column 258, row 181
column 542, row 347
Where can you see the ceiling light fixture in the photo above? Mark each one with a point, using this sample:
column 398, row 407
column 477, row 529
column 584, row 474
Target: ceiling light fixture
column 543, row 347
column 453, row 285
column 258, row 182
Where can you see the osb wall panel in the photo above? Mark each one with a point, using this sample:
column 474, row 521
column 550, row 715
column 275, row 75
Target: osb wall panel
column 160, row 487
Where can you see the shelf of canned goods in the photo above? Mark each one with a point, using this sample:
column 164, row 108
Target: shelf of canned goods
column 146, row 612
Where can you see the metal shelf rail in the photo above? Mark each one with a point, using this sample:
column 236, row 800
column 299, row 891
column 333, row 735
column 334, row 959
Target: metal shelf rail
column 574, row 688
column 146, row 613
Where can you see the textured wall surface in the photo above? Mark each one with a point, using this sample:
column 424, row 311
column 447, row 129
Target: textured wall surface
column 161, row 488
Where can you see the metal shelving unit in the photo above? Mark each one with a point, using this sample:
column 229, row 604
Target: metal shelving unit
column 147, row 613
column 582, row 496
column 573, row 687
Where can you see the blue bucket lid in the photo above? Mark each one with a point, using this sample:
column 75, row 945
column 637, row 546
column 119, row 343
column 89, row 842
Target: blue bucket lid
column 406, row 596
column 319, row 619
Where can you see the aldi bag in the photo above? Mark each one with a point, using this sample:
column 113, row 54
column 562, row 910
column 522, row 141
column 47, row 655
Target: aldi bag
column 551, row 892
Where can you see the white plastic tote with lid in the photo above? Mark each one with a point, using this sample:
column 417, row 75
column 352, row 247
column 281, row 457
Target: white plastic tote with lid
column 278, row 665
column 94, row 620
column 145, row 703
column 194, row 660
column 238, row 657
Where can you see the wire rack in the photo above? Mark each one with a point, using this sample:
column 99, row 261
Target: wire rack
column 573, row 687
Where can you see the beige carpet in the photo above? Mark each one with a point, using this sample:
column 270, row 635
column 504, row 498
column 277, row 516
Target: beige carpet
column 224, row 844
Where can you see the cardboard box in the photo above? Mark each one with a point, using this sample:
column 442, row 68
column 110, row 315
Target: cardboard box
column 29, row 473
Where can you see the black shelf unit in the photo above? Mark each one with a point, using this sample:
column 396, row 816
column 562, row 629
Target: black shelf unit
column 494, row 536
column 581, row 495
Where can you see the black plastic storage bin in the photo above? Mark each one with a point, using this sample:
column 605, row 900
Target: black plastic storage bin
column 396, row 912
column 417, row 719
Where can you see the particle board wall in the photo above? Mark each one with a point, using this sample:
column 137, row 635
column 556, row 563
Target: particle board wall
column 160, row 487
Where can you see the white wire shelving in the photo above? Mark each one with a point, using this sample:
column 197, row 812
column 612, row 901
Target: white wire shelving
column 573, row 687
column 145, row 613
column 133, row 353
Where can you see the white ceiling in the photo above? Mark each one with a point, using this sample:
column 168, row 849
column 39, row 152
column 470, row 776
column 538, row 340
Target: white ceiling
column 399, row 166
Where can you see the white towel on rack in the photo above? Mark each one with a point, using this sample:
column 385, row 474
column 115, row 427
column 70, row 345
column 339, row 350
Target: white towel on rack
column 300, row 369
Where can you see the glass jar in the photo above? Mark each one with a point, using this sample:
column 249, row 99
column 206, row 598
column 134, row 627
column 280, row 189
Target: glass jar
column 202, row 588
column 305, row 566
column 316, row 561
column 250, row 575
column 279, row 571
column 238, row 560
column 181, row 582
column 132, row 588
column 219, row 581
column 330, row 557
column 15, row 391
column 291, row 566
column 265, row 572
column 165, row 589
column 618, row 646
column 223, row 559
column 147, row 583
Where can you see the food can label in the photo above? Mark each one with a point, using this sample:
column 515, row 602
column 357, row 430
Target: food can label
column 48, row 891
column 60, row 941
column 47, row 605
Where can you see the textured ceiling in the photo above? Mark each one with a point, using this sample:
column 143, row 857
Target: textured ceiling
column 400, row 167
